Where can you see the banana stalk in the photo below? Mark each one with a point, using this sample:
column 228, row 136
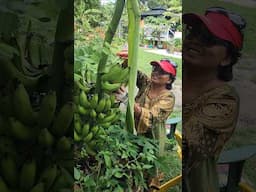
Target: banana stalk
column 133, row 44
column 108, row 39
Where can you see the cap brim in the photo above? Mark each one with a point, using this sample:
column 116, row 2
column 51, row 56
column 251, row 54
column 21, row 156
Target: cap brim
column 218, row 24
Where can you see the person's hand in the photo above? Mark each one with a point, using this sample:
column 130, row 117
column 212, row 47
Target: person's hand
column 121, row 94
column 137, row 109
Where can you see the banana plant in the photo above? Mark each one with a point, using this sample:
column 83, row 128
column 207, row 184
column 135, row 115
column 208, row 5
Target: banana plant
column 119, row 6
column 133, row 44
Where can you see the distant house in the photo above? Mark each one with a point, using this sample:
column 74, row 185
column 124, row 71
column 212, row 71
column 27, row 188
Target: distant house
column 164, row 32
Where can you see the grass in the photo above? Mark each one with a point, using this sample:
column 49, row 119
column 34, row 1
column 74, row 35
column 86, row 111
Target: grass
column 248, row 13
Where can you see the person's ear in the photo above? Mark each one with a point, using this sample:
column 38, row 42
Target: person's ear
column 226, row 60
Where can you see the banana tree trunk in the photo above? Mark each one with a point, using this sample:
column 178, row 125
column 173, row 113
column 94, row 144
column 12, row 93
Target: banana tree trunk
column 133, row 45
column 119, row 6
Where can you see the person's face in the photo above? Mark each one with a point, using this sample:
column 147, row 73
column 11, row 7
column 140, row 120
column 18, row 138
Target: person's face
column 159, row 76
column 202, row 49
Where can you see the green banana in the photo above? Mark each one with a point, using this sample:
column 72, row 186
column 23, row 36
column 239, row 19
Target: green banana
column 22, row 106
column 47, row 110
column 45, row 138
column 94, row 101
column 77, row 138
column 81, row 86
column 89, row 150
column 6, row 105
column 77, row 123
column 124, row 76
column 101, row 105
column 83, row 100
column 34, row 51
column 101, row 116
column 108, row 118
column 63, row 180
column 110, row 87
column 3, row 186
column 95, row 129
column 93, row 114
column 85, row 130
column 63, row 144
column 107, row 105
column 19, row 130
column 63, row 119
column 113, row 74
column 112, row 99
column 48, row 176
column 38, row 188
column 9, row 170
column 81, row 110
column 9, row 71
column 88, row 138
column 27, row 175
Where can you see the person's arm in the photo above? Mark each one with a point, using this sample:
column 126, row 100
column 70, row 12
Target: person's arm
column 160, row 111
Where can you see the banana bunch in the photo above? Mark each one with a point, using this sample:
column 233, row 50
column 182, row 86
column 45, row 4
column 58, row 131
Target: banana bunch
column 92, row 116
column 113, row 80
column 28, row 137
column 30, row 177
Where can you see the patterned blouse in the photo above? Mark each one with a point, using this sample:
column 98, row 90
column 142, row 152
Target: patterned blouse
column 208, row 123
column 155, row 112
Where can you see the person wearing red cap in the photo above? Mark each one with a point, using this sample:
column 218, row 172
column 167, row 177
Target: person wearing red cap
column 154, row 103
column 211, row 46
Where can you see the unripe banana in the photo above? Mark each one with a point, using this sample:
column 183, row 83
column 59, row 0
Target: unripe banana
column 38, row 187
column 3, row 186
column 77, row 123
column 88, row 138
column 82, row 110
column 85, row 130
column 82, row 87
column 101, row 116
column 107, row 105
column 83, row 100
column 9, row 170
column 6, row 105
column 95, row 129
column 94, row 101
column 28, row 175
column 93, row 114
column 34, row 51
column 63, row 144
column 47, row 110
column 77, row 138
column 112, row 99
column 110, row 87
column 101, row 105
column 109, row 118
column 63, row 119
column 63, row 180
column 22, row 106
column 19, row 130
column 8, row 69
column 45, row 138
column 113, row 74
column 89, row 150
column 48, row 176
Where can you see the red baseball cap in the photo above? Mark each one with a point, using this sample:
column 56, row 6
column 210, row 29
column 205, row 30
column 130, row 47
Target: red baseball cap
column 123, row 54
column 219, row 25
column 166, row 65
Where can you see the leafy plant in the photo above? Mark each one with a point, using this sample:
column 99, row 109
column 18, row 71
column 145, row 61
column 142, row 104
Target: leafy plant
column 124, row 162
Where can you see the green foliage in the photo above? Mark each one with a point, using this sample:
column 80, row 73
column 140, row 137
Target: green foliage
column 123, row 164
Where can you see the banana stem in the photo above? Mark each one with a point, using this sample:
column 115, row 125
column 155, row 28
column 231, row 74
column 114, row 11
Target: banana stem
column 119, row 6
column 133, row 44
